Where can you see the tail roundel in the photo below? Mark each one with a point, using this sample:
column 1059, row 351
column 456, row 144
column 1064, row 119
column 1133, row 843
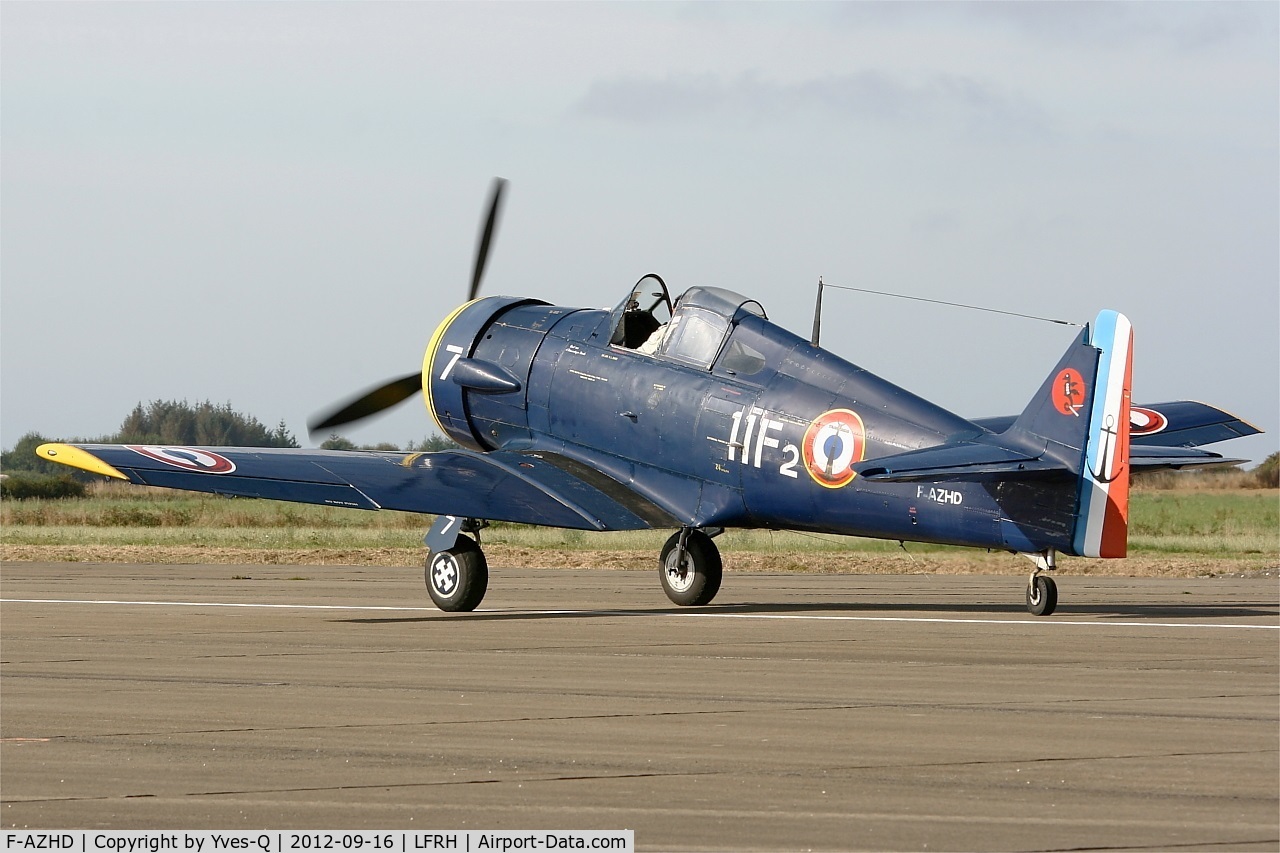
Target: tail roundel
column 1102, row 523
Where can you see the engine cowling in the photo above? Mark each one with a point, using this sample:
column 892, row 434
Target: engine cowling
column 476, row 369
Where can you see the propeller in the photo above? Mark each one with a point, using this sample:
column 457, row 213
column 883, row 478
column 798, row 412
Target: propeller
column 486, row 236
column 398, row 390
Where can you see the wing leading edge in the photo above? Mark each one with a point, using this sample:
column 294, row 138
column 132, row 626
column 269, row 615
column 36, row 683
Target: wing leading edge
column 520, row 487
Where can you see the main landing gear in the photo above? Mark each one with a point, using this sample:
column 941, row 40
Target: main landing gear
column 690, row 567
column 457, row 574
column 458, row 577
column 1042, row 592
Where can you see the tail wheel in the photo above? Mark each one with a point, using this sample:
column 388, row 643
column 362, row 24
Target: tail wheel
column 691, row 578
column 1042, row 595
column 458, row 577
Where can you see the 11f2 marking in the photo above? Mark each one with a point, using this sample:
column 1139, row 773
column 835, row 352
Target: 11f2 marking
column 754, row 426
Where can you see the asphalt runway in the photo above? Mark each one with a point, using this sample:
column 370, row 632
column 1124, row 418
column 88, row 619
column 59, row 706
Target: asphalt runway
column 799, row 712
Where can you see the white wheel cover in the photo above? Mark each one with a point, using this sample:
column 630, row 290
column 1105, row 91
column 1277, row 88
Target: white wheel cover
column 444, row 574
column 677, row 580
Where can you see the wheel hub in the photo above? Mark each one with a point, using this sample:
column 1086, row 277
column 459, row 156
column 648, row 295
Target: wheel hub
column 679, row 576
column 444, row 575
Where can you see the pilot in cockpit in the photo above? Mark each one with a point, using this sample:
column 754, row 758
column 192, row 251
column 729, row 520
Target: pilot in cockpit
column 636, row 326
column 654, row 341
column 639, row 327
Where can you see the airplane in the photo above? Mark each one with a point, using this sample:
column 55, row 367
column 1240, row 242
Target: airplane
column 698, row 414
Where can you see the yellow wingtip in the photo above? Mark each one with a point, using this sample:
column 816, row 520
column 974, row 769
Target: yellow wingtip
column 77, row 458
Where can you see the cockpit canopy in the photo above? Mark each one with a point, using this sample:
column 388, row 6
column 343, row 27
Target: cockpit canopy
column 701, row 322
column 695, row 333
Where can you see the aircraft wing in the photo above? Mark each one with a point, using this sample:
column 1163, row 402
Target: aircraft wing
column 527, row 488
column 1182, row 423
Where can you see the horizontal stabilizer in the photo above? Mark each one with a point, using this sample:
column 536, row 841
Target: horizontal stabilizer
column 972, row 462
column 1156, row 458
column 1181, row 423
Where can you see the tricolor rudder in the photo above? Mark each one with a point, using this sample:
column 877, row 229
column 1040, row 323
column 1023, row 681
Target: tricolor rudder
column 1102, row 527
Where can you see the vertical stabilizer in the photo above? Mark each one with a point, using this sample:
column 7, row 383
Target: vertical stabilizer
column 1102, row 527
column 1080, row 418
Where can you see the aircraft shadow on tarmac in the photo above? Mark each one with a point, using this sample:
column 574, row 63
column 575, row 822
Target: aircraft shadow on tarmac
column 1118, row 610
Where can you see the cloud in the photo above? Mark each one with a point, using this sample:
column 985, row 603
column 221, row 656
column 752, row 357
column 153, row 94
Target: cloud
column 858, row 96
column 1083, row 26
column 1187, row 26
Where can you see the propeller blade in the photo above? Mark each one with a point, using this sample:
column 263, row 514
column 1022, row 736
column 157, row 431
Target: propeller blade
column 486, row 236
column 385, row 396
column 370, row 403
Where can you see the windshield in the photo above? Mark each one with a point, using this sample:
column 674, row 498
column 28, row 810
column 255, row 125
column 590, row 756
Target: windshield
column 694, row 336
column 702, row 319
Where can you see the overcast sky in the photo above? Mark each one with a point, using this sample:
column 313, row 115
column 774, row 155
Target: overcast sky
column 274, row 204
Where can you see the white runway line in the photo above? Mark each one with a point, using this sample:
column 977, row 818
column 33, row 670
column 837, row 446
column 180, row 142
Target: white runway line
column 1045, row 620
column 652, row 614
column 211, row 604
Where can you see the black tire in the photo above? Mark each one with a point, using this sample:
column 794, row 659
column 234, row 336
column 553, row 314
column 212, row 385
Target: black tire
column 457, row 577
column 697, row 581
column 1042, row 596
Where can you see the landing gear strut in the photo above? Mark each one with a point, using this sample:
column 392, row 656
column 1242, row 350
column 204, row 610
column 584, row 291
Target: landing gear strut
column 690, row 568
column 1042, row 592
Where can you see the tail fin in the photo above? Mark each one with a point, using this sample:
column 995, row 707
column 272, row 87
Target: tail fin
column 1081, row 417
